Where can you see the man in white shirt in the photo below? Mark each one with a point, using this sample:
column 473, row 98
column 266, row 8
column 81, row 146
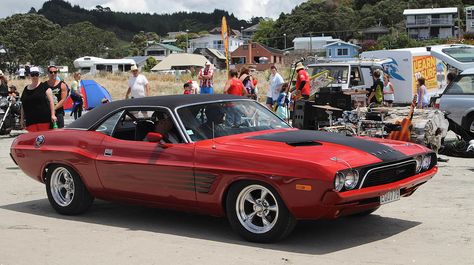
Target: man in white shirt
column 276, row 81
column 138, row 86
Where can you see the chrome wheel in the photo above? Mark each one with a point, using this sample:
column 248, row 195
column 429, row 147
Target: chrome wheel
column 257, row 209
column 62, row 186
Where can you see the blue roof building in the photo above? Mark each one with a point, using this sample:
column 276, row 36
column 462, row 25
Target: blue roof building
column 341, row 50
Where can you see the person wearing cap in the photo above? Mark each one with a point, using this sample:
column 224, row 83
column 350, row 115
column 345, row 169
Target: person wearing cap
column 138, row 85
column 188, row 87
column 206, row 76
column 37, row 110
column 302, row 82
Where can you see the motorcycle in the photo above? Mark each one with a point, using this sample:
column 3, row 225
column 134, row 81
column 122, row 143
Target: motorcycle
column 10, row 113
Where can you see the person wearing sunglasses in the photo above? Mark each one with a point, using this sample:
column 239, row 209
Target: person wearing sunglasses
column 59, row 90
column 37, row 110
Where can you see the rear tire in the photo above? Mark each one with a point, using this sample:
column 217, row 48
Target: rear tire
column 257, row 213
column 67, row 194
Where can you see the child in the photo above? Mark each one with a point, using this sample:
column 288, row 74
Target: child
column 188, row 88
column 282, row 102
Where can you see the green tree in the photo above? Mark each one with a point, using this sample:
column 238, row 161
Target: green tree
column 139, row 43
column 150, row 63
column 264, row 31
column 23, row 34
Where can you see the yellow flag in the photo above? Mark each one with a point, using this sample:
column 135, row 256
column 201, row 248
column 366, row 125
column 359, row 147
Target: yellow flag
column 225, row 40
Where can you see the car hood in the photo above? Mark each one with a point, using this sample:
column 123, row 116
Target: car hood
column 323, row 147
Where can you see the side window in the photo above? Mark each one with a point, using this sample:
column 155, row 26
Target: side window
column 463, row 85
column 107, row 127
column 135, row 124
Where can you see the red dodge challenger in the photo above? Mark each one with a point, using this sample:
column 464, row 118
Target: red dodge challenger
column 220, row 155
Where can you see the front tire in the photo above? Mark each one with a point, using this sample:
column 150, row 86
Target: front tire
column 257, row 213
column 67, row 194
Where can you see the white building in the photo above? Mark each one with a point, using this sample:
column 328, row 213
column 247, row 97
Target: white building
column 312, row 44
column 428, row 23
column 214, row 41
column 470, row 19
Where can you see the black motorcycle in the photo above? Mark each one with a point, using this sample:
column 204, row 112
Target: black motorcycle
column 10, row 113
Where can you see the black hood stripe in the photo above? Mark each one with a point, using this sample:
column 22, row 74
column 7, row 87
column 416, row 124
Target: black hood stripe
column 380, row 151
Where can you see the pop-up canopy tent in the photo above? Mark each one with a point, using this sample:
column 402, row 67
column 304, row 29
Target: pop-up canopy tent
column 93, row 95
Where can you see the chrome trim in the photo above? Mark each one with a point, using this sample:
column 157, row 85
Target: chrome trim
column 377, row 168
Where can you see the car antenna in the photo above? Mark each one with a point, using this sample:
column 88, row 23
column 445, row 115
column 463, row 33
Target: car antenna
column 213, row 142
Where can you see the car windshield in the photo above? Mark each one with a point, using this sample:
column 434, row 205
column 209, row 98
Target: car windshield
column 337, row 72
column 212, row 120
column 461, row 54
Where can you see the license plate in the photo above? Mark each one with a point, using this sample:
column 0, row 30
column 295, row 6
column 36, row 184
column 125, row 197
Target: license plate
column 391, row 196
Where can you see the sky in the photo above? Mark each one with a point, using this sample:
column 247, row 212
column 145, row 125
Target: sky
column 244, row 9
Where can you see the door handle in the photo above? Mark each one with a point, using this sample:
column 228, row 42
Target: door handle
column 108, row 152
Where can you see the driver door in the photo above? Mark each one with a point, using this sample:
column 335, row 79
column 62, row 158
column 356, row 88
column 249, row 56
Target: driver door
column 146, row 171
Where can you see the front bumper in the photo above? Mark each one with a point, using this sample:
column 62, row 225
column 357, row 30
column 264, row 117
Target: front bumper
column 359, row 200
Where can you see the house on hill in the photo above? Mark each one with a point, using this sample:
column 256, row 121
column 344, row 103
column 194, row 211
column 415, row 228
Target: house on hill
column 312, row 44
column 429, row 23
column 373, row 33
column 257, row 55
column 212, row 55
column 214, row 41
column 341, row 50
column 161, row 50
column 248, row 32
column 470, row 19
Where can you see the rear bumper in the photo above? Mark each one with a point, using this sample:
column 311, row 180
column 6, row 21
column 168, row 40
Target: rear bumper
column 350, row 202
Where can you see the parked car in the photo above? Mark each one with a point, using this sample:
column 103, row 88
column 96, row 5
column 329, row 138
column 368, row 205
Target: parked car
column 230, row 156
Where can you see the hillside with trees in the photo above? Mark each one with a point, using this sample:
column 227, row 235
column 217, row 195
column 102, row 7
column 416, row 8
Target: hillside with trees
column 126, row 25
column 346, row 19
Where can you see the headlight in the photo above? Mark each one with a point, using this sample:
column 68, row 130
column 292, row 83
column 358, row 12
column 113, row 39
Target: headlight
column 426, row 162
column 419, row 162
column 347, row 179
column 339, row 181
column 351, row 179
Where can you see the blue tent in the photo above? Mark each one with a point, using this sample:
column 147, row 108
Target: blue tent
column 93, row 95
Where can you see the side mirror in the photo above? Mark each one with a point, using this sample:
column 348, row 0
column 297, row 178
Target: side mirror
column 154, row 137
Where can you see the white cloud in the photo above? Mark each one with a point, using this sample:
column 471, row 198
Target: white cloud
column 241, row 9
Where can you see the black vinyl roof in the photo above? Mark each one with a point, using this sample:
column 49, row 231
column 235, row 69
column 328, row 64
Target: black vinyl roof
column 171, row 102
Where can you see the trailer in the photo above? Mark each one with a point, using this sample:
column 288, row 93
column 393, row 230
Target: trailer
column 405, row 66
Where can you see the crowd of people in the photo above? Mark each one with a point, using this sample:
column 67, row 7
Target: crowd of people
column 43, row 102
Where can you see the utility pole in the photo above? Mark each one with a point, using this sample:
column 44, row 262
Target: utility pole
column 311, row 42
column 187, row 43
column 284, row 35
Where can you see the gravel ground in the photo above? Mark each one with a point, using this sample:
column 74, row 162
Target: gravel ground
column 434, row 226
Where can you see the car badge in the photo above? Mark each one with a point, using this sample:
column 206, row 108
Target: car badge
column 39, row 141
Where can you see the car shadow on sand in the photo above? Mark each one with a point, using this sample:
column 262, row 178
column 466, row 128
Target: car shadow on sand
column 309, row 237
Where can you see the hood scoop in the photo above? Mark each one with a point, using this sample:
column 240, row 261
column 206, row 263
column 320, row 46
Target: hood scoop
column 305, row 143
column 311, row 138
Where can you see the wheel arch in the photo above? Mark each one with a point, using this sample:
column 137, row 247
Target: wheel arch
column 465, row 119
column 249, row 179
column 50, row 164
